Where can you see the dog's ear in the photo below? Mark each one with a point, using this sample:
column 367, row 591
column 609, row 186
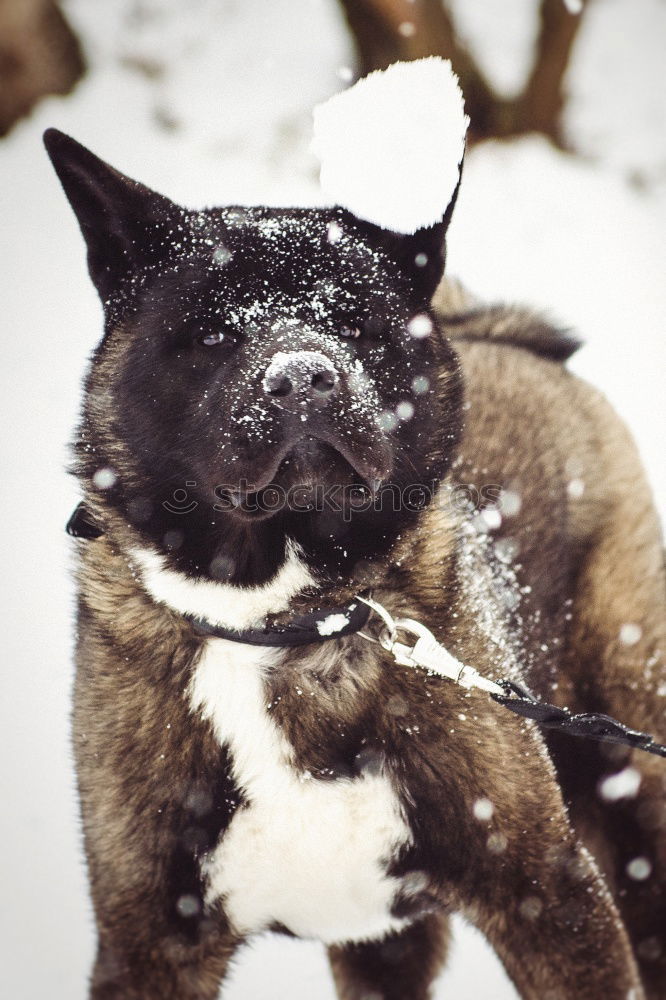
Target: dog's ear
column 421, row 256
column 123, row 223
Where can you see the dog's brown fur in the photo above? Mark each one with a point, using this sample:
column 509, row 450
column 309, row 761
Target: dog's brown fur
column 586, row 566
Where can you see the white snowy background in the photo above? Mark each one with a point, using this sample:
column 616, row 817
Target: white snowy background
column 209, row 101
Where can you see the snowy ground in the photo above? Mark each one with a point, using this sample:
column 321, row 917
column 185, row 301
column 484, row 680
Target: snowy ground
column 229, row 121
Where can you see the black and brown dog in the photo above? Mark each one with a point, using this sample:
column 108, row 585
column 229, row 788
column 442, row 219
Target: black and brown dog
column 275, row 422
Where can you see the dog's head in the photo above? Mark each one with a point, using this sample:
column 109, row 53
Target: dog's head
column 262, row 370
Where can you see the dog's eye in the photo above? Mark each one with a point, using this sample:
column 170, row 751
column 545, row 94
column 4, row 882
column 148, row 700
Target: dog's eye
column 216, row 337
column 350, row 332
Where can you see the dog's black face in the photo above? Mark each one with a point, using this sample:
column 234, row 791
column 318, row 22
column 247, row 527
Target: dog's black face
column 266, row 374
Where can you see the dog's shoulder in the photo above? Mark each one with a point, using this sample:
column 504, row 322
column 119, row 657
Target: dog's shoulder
column 464, row 318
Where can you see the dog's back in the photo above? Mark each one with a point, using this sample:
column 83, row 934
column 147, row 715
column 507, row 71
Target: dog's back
column 532, row 426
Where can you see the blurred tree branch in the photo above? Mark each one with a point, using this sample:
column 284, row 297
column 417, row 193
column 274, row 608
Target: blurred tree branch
column 543, row 99
column 39, row 55
column 386, row 31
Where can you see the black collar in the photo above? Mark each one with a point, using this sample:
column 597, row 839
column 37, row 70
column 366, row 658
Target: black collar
column 318, row 626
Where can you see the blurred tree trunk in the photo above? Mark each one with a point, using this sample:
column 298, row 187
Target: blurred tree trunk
column 386, row 31
column 39, row 55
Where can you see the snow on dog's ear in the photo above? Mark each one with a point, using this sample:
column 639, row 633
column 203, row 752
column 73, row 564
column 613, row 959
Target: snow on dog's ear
column 123, row 222
column 391, row 149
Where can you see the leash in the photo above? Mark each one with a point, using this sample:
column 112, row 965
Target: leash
column 429, row 654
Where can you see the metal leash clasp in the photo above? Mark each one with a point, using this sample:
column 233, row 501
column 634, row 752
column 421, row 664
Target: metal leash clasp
column 425, row 652
column 429, row 654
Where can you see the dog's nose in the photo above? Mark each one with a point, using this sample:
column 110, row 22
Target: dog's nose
column 300, row 374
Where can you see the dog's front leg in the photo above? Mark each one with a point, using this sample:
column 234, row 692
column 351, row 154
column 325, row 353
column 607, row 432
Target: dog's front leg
column 556, row 928
column 159, row 969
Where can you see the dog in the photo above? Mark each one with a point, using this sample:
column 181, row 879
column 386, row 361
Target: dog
column 277, row 426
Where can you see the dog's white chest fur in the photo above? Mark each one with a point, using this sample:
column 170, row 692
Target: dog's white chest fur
column 308, row 854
